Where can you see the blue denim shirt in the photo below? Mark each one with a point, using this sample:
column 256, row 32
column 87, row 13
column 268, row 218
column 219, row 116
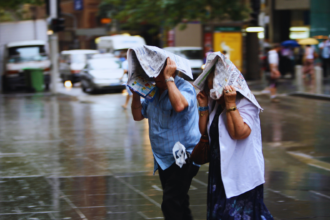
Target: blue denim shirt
column 166, row 126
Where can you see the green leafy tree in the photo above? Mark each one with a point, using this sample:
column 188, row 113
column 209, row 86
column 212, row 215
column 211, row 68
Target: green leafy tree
column 12, row 9
column 169, row 13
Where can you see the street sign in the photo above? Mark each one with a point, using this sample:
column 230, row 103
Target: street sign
column 78, row 5
column 228, row 29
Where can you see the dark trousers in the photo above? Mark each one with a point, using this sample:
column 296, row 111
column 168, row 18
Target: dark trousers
column 176, row 182
column 326, row 67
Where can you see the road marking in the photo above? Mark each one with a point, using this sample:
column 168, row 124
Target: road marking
column 200, row 182
column 54, row 176
column 146, row 217
column 160, row 189
column 192, row 187
column 14, row 177
column 41, row 141
column 138, row 192
column 48, row 180
column 157, row 188
column 12, row 155
column 309, row 160
column 282, row 194
column 25, row 213
column 319, row 194
column 81, row 215
column 320, row 167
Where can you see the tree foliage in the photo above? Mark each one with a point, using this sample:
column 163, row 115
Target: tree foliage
column 169, row 13
column 12, row 9
column 16, row 4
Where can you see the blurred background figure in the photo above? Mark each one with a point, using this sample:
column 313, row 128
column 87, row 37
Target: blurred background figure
column 308, row 68
column 325, row 56
column 225, row 53
column 286, row 62
column 207, row 53
column 265, row 68
column 273, row 60
column 125, row 68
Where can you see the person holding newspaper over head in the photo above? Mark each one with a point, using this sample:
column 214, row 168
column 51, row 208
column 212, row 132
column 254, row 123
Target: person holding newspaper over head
column 173, row 116
column 229, row 114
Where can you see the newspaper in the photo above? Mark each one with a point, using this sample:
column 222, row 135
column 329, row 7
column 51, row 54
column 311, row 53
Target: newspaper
column 225, row 74
column 146, row 62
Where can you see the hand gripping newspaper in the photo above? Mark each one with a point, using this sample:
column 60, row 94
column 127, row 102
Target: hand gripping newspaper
column 145, row 63
column 225, row 74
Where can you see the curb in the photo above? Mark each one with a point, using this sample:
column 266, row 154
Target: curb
column 309, row 160
column 310, row 95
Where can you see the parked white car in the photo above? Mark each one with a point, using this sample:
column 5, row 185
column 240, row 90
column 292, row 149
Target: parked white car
column 103, row 74
column 72, row 62
column 21, row 55
column 193, row 54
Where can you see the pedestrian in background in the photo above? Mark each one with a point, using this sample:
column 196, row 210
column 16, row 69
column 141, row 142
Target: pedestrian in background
column 172, row 117
column 129, row 93
column 325, row 56
column 284, row 61
column 236, row 169
column 273, row 60
column 308, row 68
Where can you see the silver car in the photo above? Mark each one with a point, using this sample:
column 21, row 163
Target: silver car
column 103, row 74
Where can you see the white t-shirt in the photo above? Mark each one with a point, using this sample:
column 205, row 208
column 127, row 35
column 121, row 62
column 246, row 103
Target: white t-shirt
column 309, row 53
column 273, row 57
column 242, row 161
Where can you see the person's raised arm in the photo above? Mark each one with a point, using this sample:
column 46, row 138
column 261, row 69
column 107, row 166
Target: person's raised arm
column 178, row 101
column 204, row 114
column 136, row 107
column 236, row 127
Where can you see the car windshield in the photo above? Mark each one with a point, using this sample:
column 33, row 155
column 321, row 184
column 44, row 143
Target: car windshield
column 101, row 64
column 27, row 53
column 78, row 58
column 192, row 54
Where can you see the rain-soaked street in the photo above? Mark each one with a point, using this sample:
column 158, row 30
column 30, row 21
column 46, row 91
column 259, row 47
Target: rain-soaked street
column 63, row 158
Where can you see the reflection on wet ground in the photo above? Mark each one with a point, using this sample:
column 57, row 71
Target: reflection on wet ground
column 287, row 86
column 64, row 159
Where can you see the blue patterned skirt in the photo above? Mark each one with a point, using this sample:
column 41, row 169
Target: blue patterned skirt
column 247, row 206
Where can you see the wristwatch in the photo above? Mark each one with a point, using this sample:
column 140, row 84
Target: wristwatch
column 232, row 109
column 171, row 79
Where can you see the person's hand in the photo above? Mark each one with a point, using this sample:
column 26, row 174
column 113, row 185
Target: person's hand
column 275, row 74
column 170, row 68
column 202, row 99
column 229, row 93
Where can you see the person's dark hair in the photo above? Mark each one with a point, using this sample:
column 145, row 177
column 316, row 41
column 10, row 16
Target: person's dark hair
column 239, row 96
column 206, row 85
column 275, row 46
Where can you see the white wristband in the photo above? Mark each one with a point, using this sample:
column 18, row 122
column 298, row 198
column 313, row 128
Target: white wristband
column 171, row 79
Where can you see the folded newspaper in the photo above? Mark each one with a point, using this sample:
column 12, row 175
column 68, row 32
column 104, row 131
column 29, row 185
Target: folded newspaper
column 145, row 63
column 225, row 74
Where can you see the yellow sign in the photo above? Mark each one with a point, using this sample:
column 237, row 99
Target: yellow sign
column 231, row 42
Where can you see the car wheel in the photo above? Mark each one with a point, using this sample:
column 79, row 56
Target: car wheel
column 87, row 87
column 5, row 87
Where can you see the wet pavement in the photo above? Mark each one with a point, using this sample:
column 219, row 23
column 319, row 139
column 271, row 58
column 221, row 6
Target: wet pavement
column 71, row 158
column 289, row 86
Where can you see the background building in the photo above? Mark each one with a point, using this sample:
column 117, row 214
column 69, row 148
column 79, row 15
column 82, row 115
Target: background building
column 296, row 19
